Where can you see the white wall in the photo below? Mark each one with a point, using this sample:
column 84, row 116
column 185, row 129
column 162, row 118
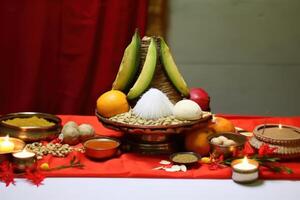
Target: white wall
column 245, row 53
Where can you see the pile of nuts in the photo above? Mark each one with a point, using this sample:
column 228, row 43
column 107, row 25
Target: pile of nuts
column 132, row 119
column 56, row 150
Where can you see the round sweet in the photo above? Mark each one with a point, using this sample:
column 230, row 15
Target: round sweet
column 222, row 138
column 70, row 135
column 217, row 141
column 71, row 124
column 187, row 110
column 86, row 131
column 229, row 143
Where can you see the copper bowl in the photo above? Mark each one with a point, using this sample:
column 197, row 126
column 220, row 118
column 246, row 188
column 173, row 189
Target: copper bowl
column 101, row 147
column 31, row 134
column 227, row 151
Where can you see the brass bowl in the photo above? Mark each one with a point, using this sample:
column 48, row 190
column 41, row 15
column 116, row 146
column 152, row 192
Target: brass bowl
column 31, row 134
column 18, row 146
column 196, row 157
column 98, row 148
column 227, row 151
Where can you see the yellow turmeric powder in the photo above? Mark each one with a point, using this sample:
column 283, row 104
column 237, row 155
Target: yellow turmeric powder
column 33, row 121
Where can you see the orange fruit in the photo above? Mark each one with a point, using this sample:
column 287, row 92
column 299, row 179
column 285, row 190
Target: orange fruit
column 196, row 141
column 221, row 125
column 112, row 103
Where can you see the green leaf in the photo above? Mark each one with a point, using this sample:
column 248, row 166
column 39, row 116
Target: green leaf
column 73, row 160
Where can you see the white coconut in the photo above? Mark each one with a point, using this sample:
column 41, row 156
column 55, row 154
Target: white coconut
column 187, row 110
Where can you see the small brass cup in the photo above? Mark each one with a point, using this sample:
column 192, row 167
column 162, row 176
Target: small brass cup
column 22, row 163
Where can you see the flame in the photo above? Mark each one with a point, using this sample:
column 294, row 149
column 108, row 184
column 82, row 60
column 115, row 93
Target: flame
column 280, row 126
column 6, row 138
column 245, row 161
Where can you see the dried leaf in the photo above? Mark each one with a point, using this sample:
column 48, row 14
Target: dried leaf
column 158, row 168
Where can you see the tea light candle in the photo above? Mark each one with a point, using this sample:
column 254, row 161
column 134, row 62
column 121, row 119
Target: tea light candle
column 244, row 170
column 6, row 145
column 24, row 154
column 23, row 160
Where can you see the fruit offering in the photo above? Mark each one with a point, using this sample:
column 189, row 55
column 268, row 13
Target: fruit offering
column 156, row 53
column 201, row 97
column 221, row 125
column 147, row 86
column 129, row 64
column 146, row 75
column 196, row 141
column 112, row 103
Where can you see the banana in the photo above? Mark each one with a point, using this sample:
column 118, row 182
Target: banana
column 172, row 70
column 146, row 75
column 129, row 65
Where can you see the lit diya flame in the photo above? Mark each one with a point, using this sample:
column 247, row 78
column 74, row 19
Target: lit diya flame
column 6, row 145
column 245, row 165
column 245, row 161
column 280, row 126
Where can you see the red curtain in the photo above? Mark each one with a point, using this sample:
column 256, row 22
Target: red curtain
column 58, row 56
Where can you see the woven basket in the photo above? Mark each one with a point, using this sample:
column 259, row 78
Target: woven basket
column 160, row 79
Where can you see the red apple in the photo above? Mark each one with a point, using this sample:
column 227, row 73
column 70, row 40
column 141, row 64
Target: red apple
column 201, row 97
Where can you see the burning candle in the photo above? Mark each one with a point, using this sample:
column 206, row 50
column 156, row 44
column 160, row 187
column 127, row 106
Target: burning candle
column 244, row 170
column 24, row 154
column 6, row 145
column 24, row 160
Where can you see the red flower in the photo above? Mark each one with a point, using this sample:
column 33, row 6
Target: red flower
column 36, row 177
column 265, row 149
column 248, row 150
column 216, row 163
column 7, row 173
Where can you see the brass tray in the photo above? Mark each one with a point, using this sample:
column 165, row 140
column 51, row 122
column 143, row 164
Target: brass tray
column 162, row 129
column 270, row 133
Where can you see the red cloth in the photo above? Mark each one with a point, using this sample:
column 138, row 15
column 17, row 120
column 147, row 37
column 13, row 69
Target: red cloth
column 59, row 56
column 133, row 165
